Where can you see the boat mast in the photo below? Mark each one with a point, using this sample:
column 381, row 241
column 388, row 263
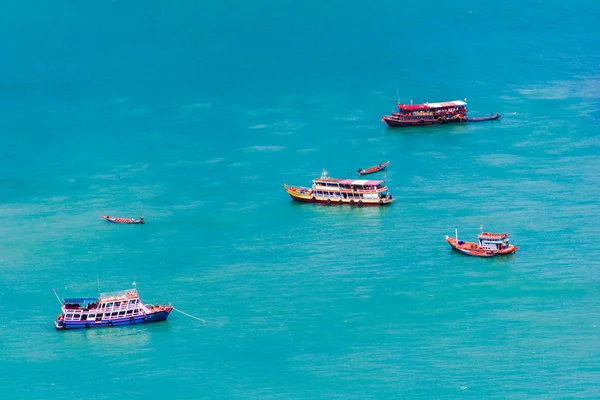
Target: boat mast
column 456, row 234
column 56, row 294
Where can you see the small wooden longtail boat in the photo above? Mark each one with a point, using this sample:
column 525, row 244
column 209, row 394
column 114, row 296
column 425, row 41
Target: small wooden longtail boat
column 488, row 118
column 490, row 245
column 374, row 169
column 122, row 220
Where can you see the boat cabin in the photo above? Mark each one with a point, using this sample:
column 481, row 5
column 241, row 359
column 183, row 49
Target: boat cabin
column 426, row 111
column 107, row 306
column 350, row 188
column 493, row 241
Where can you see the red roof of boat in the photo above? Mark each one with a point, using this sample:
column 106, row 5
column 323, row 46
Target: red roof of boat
column 427, row 106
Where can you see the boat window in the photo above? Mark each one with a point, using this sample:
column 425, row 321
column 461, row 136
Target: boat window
column 69, row 316
column 121, row 313
column 131, row 301
column 113, row 314
column 108, row 305
column 91, row 316
column 117, row 303
column 129, row 312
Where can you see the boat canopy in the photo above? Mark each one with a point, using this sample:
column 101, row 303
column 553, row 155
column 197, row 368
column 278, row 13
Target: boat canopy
column 120, row 294
column 80, row 300
column 360, row 182
column 493, row 236
column 427, row 106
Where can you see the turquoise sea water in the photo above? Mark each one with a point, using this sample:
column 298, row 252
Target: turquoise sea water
column 194, row 114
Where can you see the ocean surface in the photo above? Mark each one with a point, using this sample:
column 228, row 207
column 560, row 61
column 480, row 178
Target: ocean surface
column 194, row 114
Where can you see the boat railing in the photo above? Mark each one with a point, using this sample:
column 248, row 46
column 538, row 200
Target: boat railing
column 120, row 293
column 378, row 190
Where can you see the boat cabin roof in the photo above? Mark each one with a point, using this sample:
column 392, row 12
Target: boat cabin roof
column 80, row 300
column 360, row 182
column 120, row 295
column 493, row 236
column 355, row 182
column 328, row 179
column 428, row 106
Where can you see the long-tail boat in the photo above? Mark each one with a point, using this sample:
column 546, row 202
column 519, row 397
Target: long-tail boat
column 332, row 191
column 117, row 220
column 374, row 169
column 108, row 309
column 491, row 117
column 490, row 245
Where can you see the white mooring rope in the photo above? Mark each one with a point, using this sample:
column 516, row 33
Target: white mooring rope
column 191, row 316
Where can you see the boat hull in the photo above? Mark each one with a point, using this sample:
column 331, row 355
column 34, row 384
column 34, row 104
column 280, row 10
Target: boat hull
column 474, row 250
column 398, row 123
column 124, row 221
column 155, row 316
column 482, row 119
column 309, row 198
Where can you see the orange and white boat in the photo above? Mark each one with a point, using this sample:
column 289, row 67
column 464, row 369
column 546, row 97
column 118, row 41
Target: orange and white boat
column 490, row 245
column 326, row 190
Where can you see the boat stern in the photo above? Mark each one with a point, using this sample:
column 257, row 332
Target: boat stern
column 511, row 249
column 59, row 322
column 389, row 200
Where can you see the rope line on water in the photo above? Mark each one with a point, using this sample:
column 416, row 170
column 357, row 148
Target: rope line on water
column 189, row 315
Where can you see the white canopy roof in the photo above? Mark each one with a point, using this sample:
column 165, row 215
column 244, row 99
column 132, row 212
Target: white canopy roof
column 447, row 104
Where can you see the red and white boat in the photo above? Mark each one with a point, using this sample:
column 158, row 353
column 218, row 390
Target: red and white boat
column 444, row 112
column 490, row 245
column 326, row 190
column 427, row 114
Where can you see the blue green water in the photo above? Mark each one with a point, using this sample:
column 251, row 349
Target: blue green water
column 194, row 114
